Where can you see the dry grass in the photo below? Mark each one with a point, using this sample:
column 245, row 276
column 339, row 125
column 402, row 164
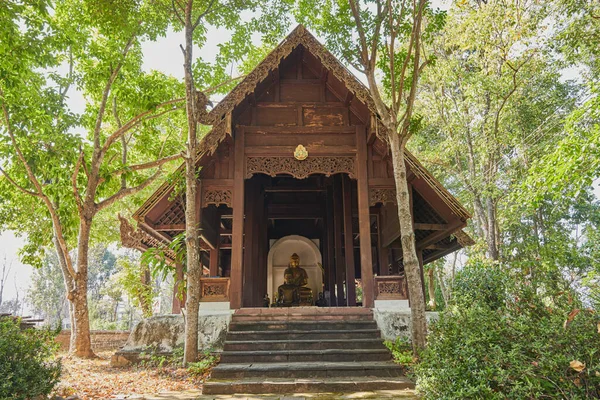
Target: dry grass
column 96, row 379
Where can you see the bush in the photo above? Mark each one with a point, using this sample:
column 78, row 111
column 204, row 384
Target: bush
column 26, row 369
column 526, row 346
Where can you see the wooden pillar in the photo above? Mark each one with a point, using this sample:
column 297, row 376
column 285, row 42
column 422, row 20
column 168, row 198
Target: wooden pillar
column 237, row 240
column 383, row 253
column 249, row 257
column 176, row 307
column 364, row 220
column 214, row 253
column 349, row 243
column 330, row 246
column 338, row 215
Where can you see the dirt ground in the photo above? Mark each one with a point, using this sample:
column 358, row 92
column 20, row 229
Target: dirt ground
column 96, row 379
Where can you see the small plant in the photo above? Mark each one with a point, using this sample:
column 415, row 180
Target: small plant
column 152, row 359
column 401, row 351
column 204, row 365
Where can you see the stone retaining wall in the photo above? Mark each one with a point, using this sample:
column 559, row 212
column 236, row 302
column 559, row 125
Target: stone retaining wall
column 396, row 323
column 101, row 340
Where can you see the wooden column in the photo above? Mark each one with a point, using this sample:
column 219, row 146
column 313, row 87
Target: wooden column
column 364, row 220
column 382, row 252
column 349, row 243
column 249, row 271
column 237, row 246
column 214, row 253
column 330, row 247
column 338, row 215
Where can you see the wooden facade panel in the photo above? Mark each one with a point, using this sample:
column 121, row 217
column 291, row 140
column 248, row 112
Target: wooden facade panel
column 300, row 92
column 390, row 225
column 325, row 116
column 285, row 116
column 331, row 139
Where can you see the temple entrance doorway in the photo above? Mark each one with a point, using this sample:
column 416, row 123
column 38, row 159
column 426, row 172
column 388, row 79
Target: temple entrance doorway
column 316, row 218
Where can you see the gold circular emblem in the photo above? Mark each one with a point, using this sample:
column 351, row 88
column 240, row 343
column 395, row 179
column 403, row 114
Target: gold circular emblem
column 300, row 153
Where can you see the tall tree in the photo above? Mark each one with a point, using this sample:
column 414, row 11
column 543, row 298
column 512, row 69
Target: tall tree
column 491, row 99
column 385, row 40
column 193, row 17
column 96, row 46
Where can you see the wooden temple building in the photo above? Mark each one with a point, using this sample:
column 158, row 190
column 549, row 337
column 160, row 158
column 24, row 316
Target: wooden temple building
column 295, row 163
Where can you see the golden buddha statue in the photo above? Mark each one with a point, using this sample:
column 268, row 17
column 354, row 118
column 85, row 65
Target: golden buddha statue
column 294, row 290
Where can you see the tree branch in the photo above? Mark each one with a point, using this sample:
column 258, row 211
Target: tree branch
column 177, row 14
column 206, row 11
column 364, row 52
column 15, row 184
column 148, row 165
column 51, row 208
column 107, row 89
column 128, row 191
column 78, row 200
column 137, row 119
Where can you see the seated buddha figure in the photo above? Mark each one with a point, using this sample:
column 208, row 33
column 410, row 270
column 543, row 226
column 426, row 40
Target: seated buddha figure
column 294, row 290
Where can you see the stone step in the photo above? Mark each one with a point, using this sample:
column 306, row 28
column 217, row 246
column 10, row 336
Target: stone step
column 302, row 370
column 340, row 335
column 302, row 317
column 306, row 311
column 300, row 325
column 284, row 356
column 318, row 344
column 327, row 385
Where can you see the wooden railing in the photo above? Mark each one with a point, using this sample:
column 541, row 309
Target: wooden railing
column 214, row 289
column 392, row 287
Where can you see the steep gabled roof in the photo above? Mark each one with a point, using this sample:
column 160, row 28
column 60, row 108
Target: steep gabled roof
column 220, row 115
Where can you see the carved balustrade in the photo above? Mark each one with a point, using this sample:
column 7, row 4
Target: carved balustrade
column 214, row 289
column 392, row 287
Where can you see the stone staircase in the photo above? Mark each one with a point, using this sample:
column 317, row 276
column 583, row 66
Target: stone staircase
column 304, row 349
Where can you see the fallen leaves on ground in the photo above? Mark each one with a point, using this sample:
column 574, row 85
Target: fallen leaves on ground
column 96, row 379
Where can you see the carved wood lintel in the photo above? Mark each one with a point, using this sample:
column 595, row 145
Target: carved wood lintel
column 382, row 195
column 217, row 197
column 273, row 166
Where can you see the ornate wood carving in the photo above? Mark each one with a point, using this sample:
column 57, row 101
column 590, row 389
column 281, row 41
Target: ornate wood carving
column 300, row 169
column 217, row 197
column 300, row 36
column 463, row 238
column 382, row 195
column 391, row 287
column 140, row 240
column 214, row 289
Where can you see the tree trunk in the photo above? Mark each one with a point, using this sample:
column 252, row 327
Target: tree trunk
column 69, row 288
column 491, row 233
column 83, row 343
column 191, row 221
column 409, row 251
column 145, row 304
column 431, row 288
column 440, row 280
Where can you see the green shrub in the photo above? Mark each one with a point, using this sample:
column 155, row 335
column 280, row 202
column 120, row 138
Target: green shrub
column 482, row 283
column 527, row 346
column 26, row 369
